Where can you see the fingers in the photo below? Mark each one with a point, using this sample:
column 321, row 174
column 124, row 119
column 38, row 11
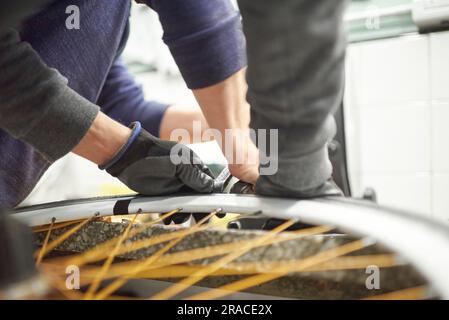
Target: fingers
column 204, row 168
column 245, row 172
column 195, row 178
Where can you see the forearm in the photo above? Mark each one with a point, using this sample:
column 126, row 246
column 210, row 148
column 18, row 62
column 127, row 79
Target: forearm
column 226, row 109
column 224, row 104
column 103, row 140
column 183, row 124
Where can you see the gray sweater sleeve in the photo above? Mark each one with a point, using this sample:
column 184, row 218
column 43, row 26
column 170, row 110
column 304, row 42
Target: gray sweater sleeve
column 36, row 105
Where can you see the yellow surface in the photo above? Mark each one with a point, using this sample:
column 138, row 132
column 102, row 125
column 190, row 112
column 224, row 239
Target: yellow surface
column 112, row 189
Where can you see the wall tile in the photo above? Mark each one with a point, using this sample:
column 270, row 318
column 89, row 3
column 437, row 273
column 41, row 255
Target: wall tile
column 439, row 53
column 351, row 111
column 440, row 137
column 440, row 193
column 410, row 192
column 395, row 139
column 394, row 70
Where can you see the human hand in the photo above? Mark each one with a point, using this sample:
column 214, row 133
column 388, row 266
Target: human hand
column 152, row 166
column 244, row 161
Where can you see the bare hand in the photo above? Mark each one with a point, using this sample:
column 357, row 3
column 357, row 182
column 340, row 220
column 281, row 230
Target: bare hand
column 244, row 164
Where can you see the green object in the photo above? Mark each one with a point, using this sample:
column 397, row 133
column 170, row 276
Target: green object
column 376, row 25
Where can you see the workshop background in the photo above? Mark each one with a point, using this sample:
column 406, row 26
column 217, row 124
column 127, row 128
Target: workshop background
column 396, row 107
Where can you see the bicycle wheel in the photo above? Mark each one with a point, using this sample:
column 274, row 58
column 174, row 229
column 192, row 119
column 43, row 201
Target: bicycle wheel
column 322, row 248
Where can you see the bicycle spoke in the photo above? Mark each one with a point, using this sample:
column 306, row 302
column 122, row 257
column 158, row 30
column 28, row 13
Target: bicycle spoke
column 119, row 282
column 50, row 246
column 417, row 293
column 41, row 253
column 94, row 286
column 281, row 271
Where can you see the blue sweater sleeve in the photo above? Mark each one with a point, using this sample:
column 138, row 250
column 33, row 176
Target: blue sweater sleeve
column 205, row 38
column 123, row 100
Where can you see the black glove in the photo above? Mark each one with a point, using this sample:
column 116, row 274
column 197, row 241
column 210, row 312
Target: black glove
column 152, row 166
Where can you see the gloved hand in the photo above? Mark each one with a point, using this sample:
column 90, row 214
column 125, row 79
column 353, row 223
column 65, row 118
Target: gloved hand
column 151, row 166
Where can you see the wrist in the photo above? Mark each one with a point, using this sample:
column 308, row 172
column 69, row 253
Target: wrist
column 224, row 105
column 136, row 129
column 103, row 141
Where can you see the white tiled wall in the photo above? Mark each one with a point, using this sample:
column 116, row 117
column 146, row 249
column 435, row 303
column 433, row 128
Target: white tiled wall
column 440, row 136
column 440, row 196
column 397, row 109
column 439, row 54
column 394, row 70
column 395, row 139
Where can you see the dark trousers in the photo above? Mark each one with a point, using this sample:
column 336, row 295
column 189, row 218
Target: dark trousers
column 296, row 51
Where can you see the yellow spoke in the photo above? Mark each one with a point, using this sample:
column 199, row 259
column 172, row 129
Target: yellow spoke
column 208, row 252
column 416, row 293
column 55, row 226
column 120, row 281
column 238, row 269
column 100, row 251
column 100, row 275
column 40, row 255
column 201, row 274
column 50, row 246
column 283, row 270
